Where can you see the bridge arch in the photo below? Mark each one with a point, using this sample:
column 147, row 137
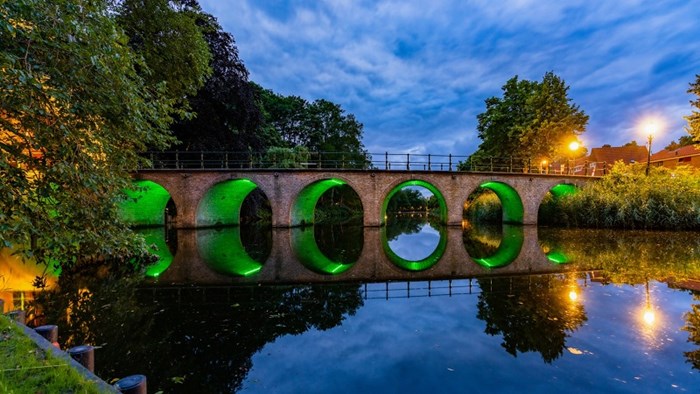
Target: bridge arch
column 310, row 255
column 222, row 250
column 304, row 205
column 414, row 182
column 221, row 204
column 415, row 265
column 508, row 250
column 513, row 210
column 145, row 204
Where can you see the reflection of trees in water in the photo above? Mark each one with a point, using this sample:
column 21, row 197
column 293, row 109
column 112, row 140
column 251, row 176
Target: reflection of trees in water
column 532, row 313
column 692, row 325
column 185, row 339
column 257, row 241
column 340, row 243
column 632, row 257
column 399, row 224
column 482, row 240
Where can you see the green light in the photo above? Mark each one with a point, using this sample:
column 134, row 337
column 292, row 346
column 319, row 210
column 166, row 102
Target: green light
column 222, row 250
column 508, row 250
column 415, row 182
column 305, row 203
column 221, row 205
column 558, row 257
column 411, row 265
column 145, row 204
column 563, row 189
column 155, row 238
column 510, row 201
column 307, row 251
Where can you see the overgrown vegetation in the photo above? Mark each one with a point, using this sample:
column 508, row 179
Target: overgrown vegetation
column 25, row 368
column 483, row 206
column 626, row 198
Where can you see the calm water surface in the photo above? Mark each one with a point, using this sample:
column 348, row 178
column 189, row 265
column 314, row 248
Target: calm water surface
column 413, row 307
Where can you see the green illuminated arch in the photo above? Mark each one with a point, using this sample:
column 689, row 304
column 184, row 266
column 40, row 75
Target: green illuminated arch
column 411, row 265
column 508, row 250
column 155, row 239
column 510, row 201
column 222, row 250
column 221, row 205
column 305, row 203
column 145, row 204
column 307, row 251
column 563, row 189
column 415, row 182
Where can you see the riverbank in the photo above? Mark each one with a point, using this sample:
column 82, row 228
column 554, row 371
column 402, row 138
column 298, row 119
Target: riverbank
column 26, row 367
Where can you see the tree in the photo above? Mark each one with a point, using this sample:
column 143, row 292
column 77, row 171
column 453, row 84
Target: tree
column 171, row 43
column 534, row 120
column 694, row 118
column 227, row 115
column 682, row 141
column 320, row 126
column 73, row 115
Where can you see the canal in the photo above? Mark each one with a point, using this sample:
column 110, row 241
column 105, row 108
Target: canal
column 411, row 307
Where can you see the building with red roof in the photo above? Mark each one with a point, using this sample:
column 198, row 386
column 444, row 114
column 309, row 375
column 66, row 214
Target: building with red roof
column 688, row 155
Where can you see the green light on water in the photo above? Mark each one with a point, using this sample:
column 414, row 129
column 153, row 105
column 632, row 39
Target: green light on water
column 508, row 250
column 221, row 204
column 415, row 182
column 222, row 250
column 510, row 201
column 307, row 251
column 411, row 265
column 558, row 257
column 155, row 238
column 305, row 203
column 145, row 204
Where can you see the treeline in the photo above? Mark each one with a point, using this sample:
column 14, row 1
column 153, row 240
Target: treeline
column 187, row 51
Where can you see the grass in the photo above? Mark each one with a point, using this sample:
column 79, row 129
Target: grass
column 26, row 368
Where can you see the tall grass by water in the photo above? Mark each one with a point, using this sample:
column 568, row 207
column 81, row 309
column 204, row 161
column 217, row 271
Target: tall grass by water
column 627, row 198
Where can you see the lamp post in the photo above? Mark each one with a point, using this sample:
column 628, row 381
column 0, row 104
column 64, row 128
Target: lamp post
column 650, row 129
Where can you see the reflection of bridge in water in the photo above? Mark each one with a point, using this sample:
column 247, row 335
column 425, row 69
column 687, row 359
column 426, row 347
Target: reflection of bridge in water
column 217, row 257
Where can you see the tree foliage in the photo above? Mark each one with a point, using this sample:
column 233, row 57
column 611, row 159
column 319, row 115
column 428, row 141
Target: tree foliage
column 73, row 114
column 533, row 120
column 227, row 114
column 172, row 45
column 320, row 126
column 682, row 141
column 694, row 118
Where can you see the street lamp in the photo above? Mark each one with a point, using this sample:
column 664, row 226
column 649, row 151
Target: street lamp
column 650, row 130
column 574, row 145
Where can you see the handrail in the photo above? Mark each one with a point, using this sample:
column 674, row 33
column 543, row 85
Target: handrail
column 247, row 160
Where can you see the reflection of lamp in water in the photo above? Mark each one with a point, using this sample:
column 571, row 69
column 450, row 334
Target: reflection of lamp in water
column 573, row 288
column 649, row 316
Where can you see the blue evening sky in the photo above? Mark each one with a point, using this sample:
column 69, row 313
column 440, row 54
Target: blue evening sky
column 416, row 73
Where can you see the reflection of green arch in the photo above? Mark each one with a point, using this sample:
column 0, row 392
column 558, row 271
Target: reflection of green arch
column 145, row 204
column 563, row 189
column 221, row 204
column 508, row 250
column 222, row 250
column 558, row 257
column 411, row 265
column 510, row 201
column 305, row 203
column 307, row 251
column 155, row 239
column 415, row 182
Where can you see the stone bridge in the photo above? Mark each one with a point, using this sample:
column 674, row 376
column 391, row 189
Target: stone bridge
column 207, row 198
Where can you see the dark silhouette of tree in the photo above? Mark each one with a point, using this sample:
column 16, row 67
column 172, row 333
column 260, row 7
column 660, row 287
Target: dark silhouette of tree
column 532, row 314
column 692, row 326
column 693, row 119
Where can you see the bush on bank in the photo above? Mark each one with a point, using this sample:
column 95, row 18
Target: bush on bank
column 627, row 198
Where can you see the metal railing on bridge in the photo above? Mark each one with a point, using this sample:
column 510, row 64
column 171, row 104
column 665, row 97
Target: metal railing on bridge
column 363, row 161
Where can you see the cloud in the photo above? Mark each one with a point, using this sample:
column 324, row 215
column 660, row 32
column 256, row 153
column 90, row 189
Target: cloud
column 416, row 74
